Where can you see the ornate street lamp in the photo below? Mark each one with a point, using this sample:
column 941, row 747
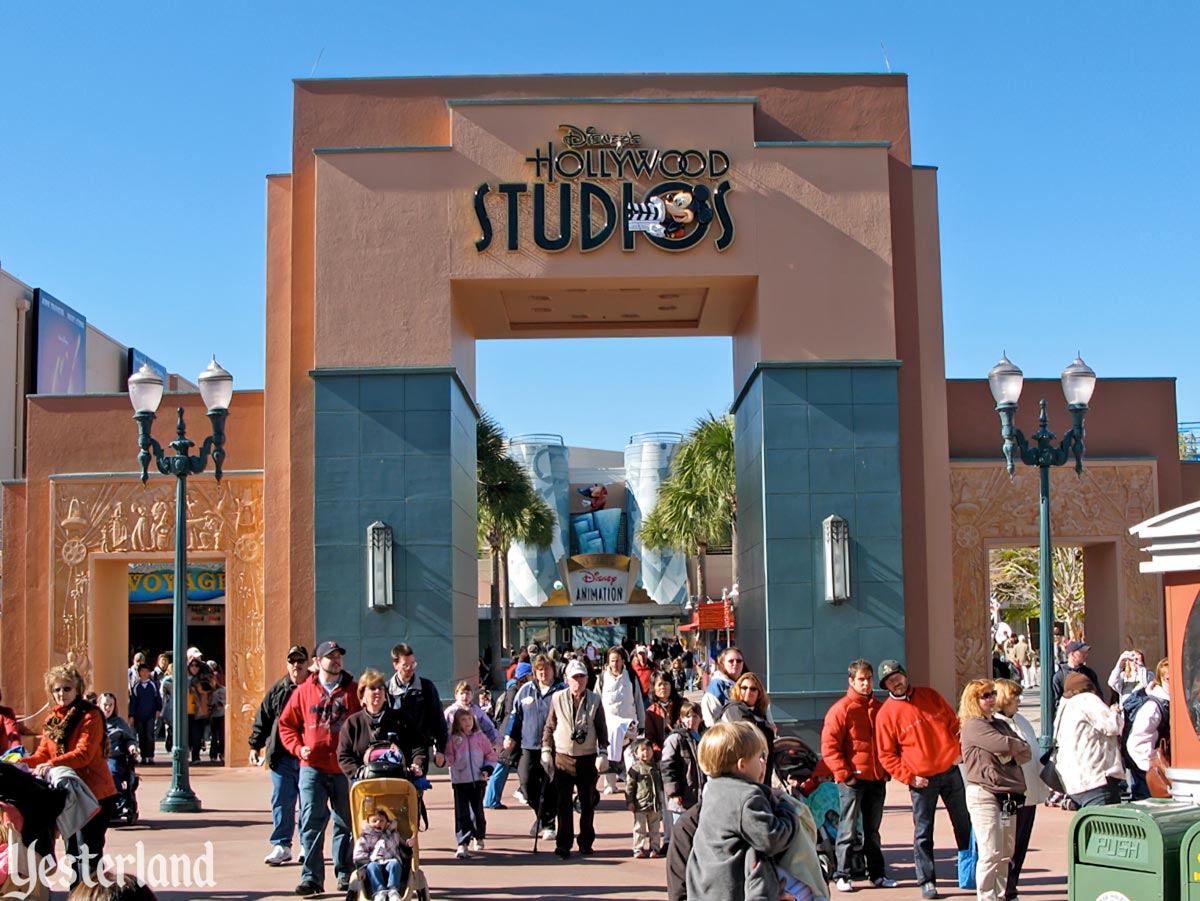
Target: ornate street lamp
column 145, row 393
column 1078, row 382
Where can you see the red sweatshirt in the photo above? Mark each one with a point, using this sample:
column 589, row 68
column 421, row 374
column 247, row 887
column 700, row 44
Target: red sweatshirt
column 314, row 717
column 917, row 735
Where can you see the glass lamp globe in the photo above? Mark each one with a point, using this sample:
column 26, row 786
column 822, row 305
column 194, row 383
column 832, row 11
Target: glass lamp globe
column 1078, row 383
column 1005, row 380
column 216, row 386
column 145, row 390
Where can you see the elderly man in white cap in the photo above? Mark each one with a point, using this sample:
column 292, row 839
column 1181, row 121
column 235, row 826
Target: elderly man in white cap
column 574, row 743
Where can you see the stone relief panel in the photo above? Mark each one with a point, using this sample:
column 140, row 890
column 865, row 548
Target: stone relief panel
column 121, row 516
column 987, row 505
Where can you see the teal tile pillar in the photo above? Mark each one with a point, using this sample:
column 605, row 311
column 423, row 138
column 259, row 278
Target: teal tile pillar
column 812, row 440
column 397, row 445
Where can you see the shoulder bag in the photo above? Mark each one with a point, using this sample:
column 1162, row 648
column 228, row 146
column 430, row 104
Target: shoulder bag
column 1049, row 773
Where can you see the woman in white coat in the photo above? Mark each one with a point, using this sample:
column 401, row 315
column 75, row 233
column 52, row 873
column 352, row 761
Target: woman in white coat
column 1088, row 734
column 624, row 712
column 1008, row 698
column 1150, row 725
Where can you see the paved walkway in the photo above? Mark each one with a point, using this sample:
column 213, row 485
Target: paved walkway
column 236, row 819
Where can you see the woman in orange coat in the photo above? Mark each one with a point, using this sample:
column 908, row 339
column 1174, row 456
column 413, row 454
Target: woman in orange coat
column 73, row 736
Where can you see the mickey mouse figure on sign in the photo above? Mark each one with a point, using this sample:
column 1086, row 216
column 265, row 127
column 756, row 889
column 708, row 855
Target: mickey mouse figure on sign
column 669, row 214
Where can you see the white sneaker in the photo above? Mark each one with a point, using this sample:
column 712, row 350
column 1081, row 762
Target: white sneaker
column 844, row 885
column 461, row 853
column 519, row 797
column 381, row 895
column 884, row 882
column 476, row 844
column 393, row 895
column 609, row 790
column 280, row 854
column 549, row 834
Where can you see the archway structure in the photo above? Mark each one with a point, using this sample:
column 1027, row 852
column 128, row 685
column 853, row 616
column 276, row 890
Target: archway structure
column 424, row 214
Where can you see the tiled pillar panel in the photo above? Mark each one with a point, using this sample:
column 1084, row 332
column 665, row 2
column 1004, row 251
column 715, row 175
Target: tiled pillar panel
column 813, row 440
column 397, row 446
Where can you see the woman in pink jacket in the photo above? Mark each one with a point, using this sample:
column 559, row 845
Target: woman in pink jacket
column 471, row 759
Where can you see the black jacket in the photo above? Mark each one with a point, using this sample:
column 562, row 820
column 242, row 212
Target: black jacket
column 421, row 717
column 265, row 731
column 678, row 852
column 359, row 733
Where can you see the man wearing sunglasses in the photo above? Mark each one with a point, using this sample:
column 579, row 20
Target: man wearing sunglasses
column 265, row 746
column 916, row 735
column 310, row 727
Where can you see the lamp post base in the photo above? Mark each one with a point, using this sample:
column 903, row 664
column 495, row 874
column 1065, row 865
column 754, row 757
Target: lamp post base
column 180, row 800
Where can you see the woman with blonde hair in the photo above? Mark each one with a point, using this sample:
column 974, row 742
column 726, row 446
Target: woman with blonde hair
column 1008, row 699
column 73, row 736
column 1150, row 727
column 750, row 703
column 992, row 757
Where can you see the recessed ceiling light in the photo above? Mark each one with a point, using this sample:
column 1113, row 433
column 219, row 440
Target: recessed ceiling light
column 539, row 296
column 668, row 297
column 667, row 306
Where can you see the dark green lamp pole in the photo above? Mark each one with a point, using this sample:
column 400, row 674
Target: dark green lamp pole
column 1078, row 382
column 145, row 393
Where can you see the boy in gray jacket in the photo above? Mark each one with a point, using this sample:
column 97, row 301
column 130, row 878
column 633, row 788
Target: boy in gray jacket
column 742, row 826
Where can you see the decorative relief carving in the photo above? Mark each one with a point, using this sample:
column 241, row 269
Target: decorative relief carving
column 120, row 516
column 987, row 506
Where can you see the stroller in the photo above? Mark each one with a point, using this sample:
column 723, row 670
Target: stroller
column 121, row 764
column 801, row 771
column 402, row 800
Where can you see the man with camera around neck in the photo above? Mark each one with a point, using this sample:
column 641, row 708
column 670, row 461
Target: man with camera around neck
column 574, row 746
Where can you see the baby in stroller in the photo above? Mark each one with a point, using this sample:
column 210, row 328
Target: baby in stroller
column 122, row 754
column 382, row 857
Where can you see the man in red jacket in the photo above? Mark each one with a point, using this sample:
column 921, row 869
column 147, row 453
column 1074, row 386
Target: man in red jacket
column 309, row 728
column 916, row 734
column 848, row 747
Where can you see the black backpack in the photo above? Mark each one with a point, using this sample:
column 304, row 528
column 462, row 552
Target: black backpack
column 1130, row 707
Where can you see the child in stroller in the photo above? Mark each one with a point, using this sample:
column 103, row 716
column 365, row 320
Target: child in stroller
column 122, row 754
column 805, row 776
column 383, row 857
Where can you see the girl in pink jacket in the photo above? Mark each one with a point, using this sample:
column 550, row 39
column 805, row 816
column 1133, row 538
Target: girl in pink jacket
column 471, row 758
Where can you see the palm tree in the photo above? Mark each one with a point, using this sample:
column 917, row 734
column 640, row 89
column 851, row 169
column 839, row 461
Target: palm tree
column 697, row 504
column 509, row 510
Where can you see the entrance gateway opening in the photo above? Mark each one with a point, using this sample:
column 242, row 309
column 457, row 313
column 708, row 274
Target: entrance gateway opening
column 465, row 210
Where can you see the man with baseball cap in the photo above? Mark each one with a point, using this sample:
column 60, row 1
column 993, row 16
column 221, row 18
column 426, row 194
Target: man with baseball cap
column 1077, row 652
column 574, row 742
column 916, row 737
column 284, row 767
column 309, row 728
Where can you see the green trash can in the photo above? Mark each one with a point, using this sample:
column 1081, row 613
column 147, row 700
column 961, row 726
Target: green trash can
column 1130, row 852
column 1189, row 865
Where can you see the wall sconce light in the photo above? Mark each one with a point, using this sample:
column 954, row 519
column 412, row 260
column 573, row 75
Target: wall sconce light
column 836, row 534
column 379, row 565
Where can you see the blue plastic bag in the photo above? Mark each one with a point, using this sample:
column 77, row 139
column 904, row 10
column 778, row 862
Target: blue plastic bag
column 966, row 864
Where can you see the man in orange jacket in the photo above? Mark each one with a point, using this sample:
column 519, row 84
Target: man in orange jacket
column 848, row 747
column 916, row 734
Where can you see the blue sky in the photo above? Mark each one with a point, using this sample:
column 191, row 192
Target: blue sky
column 137, row 139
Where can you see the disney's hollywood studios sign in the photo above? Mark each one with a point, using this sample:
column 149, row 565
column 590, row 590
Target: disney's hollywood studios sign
column 599, row 174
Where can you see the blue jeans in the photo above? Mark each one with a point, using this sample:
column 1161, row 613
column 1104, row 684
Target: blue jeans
column 378, row 876
column 949, row 787
column 285, row 791
column 321, row 793
column 495, row 786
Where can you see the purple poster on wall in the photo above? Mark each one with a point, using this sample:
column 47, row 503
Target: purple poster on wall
column 60, row 347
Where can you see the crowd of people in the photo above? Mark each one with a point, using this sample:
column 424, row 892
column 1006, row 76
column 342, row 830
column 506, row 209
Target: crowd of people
column 574, row 725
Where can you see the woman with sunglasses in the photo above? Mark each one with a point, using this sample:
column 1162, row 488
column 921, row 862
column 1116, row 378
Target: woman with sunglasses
column 73, row 736
column 750, row 703
column 992, row 757
column 729, row 666
column 374, row 723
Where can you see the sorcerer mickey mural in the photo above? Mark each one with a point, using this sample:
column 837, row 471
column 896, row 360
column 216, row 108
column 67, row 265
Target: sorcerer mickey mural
column 601, row 176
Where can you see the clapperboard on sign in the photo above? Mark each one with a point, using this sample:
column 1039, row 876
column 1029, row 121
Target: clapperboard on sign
column 647, row 217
